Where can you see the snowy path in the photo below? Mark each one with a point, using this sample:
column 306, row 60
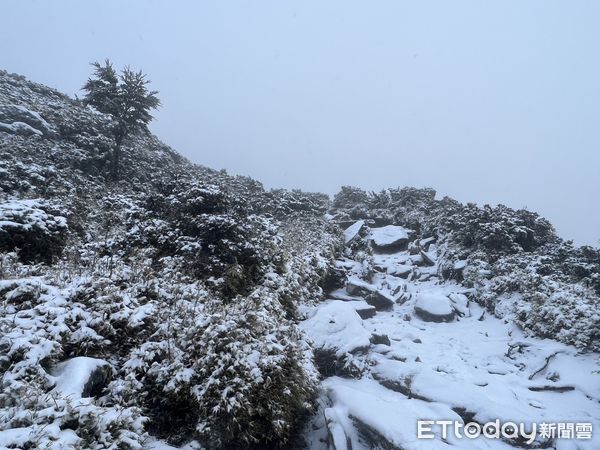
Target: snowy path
column 430, row 353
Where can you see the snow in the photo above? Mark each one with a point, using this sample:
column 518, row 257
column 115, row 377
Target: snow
column 72, row 375
column 388, row 235
column 351, row 232
column 460, row 264
column 19, row 128
column 476, row 363
column 27, row 214
column 434, row 303
column 337, row 326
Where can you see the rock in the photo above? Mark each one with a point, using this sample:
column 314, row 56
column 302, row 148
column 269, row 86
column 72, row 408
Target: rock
column 82, row 376
column 356, row 287
column 428, row 259
column 353, row 231
column 400, row 270
column 425, row 243
column 380, row 339
column 367, row 313
column 389, row 239
column 20, row 129
column 29, row 122
column 363, row 309
column 372, row 437
column 381, row 301
column 460, row 303
column 336, row 326
column 338, row 440
column 413, row 249
column 433, row 307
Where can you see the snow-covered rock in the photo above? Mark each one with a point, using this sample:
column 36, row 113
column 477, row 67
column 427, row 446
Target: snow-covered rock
column 337, row 326
column 22, row 120
column 380, row 300
column 389, row 238
column 357, row 287
column 364, row 310
column 353, row 230
column 372, row 416
column 434, row 307
column 82, row 376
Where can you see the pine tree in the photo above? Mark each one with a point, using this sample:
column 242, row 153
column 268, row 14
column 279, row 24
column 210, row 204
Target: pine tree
column 126, row 98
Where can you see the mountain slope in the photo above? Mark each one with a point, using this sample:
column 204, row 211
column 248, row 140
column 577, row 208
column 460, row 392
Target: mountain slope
column 400, row 344
column 176, row 304
column 183, row 280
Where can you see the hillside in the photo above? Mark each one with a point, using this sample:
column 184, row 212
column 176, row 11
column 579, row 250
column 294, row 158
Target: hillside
column 183, row 305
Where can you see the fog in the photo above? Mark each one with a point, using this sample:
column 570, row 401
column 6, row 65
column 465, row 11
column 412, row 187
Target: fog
column 488, row 102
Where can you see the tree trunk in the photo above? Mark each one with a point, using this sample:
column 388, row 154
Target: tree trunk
column 115, row 162
column 115, row 165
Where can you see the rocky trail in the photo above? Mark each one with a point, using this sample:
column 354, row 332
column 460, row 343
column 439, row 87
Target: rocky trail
column 397, row 344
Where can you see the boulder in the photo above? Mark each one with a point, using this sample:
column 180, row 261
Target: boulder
column 23, row 121
column 380, row 339
column 353, row 230
column 380, row 300
column 82, row 376
column 433, row 307
column 356, row 287
column 337, row 327
column 389, row 239
column 363, row 309
column 400, row 270
column 425, row 243
column 337, row 437
column 428, row 258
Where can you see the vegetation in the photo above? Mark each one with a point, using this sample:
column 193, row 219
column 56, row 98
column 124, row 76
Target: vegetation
column 123, row 96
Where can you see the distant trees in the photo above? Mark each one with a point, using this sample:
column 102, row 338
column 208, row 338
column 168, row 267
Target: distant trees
column 126, row 97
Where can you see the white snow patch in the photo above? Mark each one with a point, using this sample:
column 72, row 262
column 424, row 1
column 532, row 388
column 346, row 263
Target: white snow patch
column 337, row 326
column 72, row 375
column 389, row 235
column 434, row 303
column 351, row 232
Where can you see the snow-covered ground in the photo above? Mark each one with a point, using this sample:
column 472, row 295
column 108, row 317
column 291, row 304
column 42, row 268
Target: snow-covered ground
column 468, row 367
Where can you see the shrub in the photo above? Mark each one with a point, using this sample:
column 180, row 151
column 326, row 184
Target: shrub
column 27, row 226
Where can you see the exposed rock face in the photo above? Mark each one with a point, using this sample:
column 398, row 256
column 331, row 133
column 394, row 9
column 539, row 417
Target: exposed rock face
column 434, row 308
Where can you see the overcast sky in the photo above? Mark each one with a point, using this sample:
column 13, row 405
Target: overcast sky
column 490, row 102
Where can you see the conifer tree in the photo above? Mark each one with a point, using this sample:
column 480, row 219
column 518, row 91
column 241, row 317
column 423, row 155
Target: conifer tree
column 126, row 98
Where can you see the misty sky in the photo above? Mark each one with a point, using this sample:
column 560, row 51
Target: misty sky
column 485, row 101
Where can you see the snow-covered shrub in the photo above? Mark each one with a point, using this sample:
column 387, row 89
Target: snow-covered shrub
column 546, row 305
column 27, row 226
column 553, row 285
column 499, row 230
column 350, row 197
column 236, row 374
column 215, row 240
column 33, row 325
